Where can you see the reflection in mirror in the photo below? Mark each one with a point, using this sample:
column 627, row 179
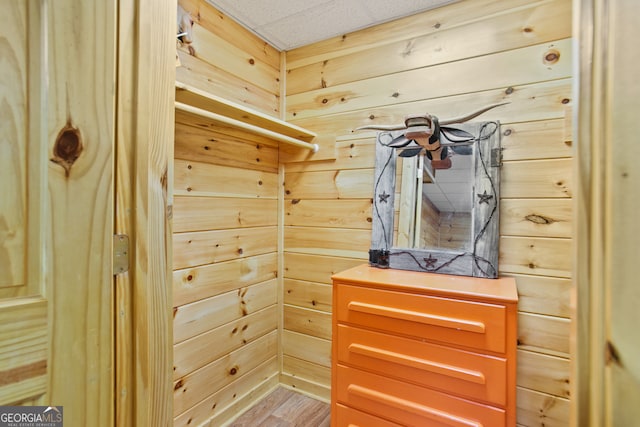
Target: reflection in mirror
column 443, row 216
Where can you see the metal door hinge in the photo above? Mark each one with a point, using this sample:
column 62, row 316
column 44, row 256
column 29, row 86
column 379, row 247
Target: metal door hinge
column 496, row 157
column 120, row 253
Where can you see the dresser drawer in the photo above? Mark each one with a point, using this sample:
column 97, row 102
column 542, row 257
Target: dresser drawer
column 348, row 417
column 464, row 323
column 409, row 404
column 459, row 372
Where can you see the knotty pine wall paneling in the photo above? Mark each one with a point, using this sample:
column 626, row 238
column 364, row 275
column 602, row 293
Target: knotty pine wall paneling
column 448, row 61
column 226, row 293
column 229, row 61
column 225, row 287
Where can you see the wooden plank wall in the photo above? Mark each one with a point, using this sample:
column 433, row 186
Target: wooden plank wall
column 454, row 230
column 225, row 290
column 429, row 224
column 227, row 60
column 225, row 221
column 448, row 62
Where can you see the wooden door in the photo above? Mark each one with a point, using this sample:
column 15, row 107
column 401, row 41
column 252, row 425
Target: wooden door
column 57, row 109
column 606, row 371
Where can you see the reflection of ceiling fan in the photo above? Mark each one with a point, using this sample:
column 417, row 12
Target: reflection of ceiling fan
column 427, row 131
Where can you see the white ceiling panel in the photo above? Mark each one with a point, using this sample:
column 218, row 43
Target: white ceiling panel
column 316, row 24
column 386, row 10
column 258, row 13
column 287, row 24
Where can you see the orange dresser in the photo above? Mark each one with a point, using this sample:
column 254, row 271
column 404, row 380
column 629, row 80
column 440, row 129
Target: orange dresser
column 423, row 349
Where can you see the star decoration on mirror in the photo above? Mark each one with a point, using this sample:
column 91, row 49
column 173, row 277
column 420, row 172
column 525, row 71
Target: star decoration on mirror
column 485, row 198
column 430, row 262
column 384, row 197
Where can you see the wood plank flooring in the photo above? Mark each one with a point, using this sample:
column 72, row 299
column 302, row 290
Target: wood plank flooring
column 286, row 408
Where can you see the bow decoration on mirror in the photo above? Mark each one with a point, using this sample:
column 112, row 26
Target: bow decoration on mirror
column 429, row 133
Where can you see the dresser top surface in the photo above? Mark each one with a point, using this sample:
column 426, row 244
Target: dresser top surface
column 502, row 289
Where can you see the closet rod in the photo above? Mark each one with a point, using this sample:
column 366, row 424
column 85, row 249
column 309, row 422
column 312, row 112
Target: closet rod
column 246, row 126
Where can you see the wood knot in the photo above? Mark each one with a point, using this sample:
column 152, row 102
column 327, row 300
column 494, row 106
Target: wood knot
column 551, row 57
column 408, row 49
column 539, row 219
column 233, row 370
column 67, row 148
column 612, row 355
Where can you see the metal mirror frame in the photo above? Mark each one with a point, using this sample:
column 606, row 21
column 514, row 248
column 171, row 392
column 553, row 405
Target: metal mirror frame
column 482, row 260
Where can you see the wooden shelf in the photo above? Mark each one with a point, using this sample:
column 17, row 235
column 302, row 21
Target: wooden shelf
column 199, row 102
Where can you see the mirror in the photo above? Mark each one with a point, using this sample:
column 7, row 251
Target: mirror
column 438, row 220
column 435, row 206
